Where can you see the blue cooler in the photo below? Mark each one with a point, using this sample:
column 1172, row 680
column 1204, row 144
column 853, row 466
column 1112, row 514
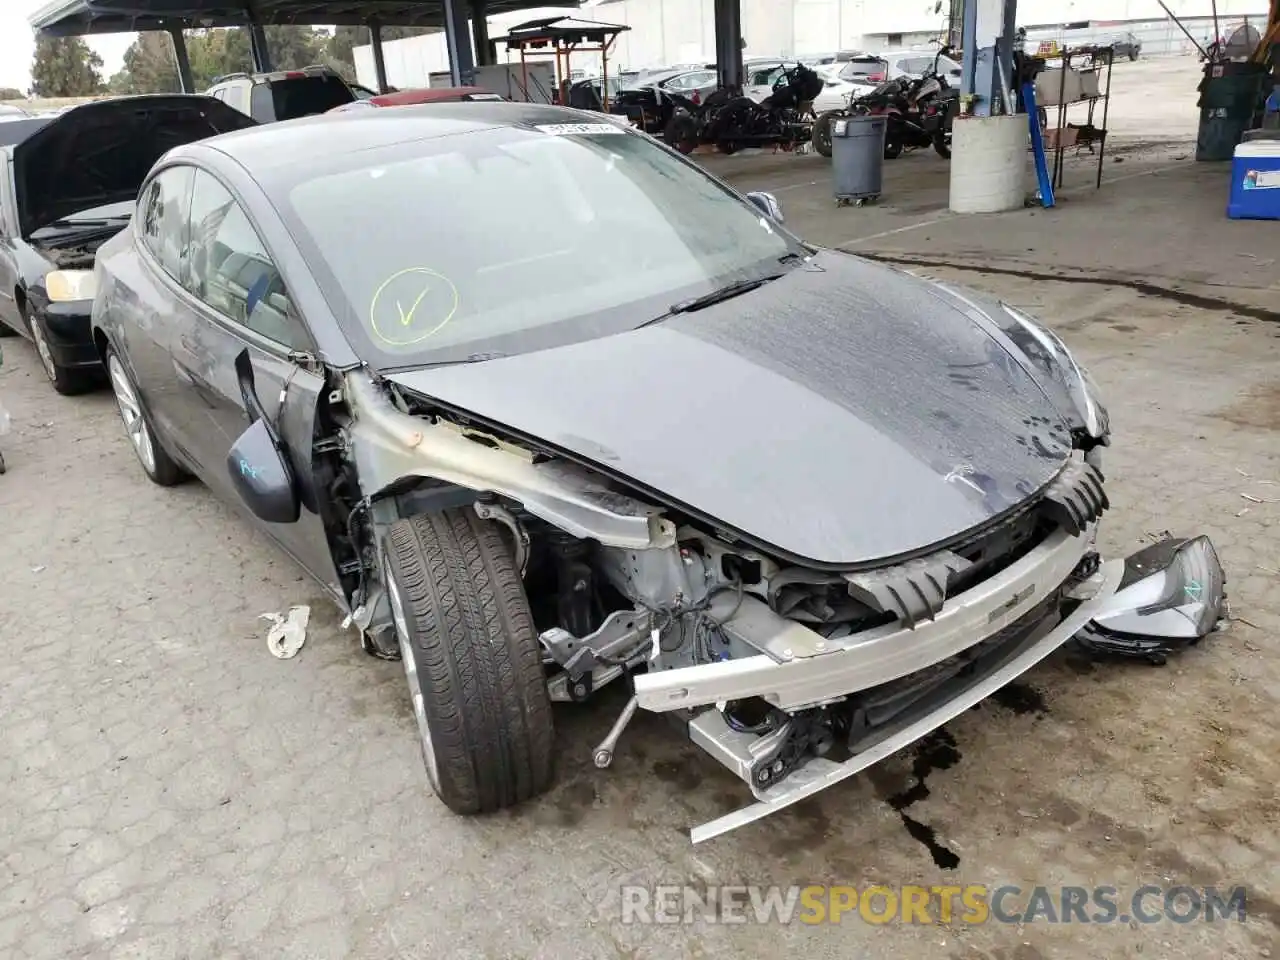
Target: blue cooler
column 1255, row 181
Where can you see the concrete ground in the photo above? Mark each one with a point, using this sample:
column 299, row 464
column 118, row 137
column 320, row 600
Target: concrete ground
column 168, row 789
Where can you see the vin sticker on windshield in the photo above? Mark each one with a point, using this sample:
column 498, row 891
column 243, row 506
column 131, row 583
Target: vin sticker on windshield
column 577, row 129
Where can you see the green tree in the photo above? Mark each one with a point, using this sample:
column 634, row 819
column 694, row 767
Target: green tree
column 10, row 93
column 65, row 67
column 149, row 66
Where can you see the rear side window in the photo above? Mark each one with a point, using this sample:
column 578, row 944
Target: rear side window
column 162, row 217
column 298, row 97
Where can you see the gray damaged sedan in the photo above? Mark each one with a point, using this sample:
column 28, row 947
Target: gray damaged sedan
column 546, row 407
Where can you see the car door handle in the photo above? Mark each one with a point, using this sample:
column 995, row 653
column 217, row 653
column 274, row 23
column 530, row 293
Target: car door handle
column 202, row 387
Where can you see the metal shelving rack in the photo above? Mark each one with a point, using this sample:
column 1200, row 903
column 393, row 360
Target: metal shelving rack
column 1089, row 134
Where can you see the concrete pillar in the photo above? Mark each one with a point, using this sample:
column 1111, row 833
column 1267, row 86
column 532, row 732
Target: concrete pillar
column 480, row 33
column 379, row 55
column 988, row 27
column 258, row 46
column 988, row 164
column 728, row 21
column 181, row 58
column 461, row 65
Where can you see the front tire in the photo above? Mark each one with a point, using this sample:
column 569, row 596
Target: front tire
column 472, row 659
column 65, row 381
column 892, row 149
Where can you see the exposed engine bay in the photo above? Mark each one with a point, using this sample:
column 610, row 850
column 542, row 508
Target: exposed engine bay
column 790, row 676
column 77, row 255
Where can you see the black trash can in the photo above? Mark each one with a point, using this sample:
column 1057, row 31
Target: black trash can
column 1230, row 95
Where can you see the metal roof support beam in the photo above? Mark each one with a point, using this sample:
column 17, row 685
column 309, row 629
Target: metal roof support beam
column 988, row 27
column 379, row 56
column 728, row 22
column 181, row 58
column 480, row 33
column 462, row 68
column 258, row 46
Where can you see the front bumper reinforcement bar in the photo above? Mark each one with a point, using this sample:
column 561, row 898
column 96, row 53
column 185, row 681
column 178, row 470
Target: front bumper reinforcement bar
column 818, row 773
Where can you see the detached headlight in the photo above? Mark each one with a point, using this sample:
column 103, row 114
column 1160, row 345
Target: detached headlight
column 64, row 286
column 1173, row 594
column 1056, row 360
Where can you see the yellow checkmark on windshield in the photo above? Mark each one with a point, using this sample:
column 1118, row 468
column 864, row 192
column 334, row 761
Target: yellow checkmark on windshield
column 407, row 318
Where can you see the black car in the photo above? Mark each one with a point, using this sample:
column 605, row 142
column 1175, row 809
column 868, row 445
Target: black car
column 1125, row 46
column 68, row 183
column 806, row 505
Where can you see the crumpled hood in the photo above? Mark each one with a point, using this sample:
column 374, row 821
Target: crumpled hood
column 845, row 414
column 99, row 153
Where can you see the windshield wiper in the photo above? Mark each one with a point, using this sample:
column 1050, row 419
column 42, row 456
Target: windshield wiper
column 730, row 290
column 92, row 222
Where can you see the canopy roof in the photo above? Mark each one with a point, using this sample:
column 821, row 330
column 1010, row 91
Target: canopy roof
column 68, row 18
column 557, row 31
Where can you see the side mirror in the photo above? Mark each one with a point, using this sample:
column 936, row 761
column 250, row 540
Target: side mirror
column 261, row 474
column 259, row 467
column 768, row 205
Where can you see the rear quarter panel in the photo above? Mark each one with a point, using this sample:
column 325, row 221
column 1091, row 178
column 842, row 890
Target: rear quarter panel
column 130, row 309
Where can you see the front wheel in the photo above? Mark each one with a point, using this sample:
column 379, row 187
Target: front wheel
column 65, row 381
column 472, row 660
column 892, row 149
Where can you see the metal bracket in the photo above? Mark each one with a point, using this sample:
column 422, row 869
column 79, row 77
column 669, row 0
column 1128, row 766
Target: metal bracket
column 519, row 536
column 911, row 591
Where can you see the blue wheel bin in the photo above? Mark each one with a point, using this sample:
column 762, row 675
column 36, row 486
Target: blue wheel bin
column 857, row 158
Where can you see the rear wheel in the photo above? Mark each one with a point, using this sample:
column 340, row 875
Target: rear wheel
column 942, row 144
column 156, row 463
column 892, row 149
column 822, row 132
column 472, row 660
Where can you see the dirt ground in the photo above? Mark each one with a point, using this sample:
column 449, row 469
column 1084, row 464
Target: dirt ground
column 168, row 789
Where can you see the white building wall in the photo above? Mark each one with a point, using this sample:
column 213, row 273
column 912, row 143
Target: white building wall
column 683, row 31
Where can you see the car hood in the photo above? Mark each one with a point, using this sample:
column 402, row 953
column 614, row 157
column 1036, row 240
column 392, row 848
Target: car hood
column 843, row 415
column 99, row 153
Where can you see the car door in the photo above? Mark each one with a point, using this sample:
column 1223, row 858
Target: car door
column 8, row 253
column 233, row 298
column 159, row 228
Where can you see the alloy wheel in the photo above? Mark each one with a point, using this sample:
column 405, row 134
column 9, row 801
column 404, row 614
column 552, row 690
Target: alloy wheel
column 410, row 661
column 42, row 348
column 135, row 423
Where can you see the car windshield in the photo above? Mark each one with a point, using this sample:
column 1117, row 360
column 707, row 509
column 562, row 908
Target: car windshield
column 512, row 239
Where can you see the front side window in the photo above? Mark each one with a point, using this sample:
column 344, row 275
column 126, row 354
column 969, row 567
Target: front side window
column 511, row 239
column 230, row 269
column 161, row 220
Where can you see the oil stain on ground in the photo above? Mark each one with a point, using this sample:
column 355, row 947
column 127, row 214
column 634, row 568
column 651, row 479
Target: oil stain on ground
column 936, row 751
column 1021, row 698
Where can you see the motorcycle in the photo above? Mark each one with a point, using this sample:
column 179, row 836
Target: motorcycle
column 920, row 113
column 732, row 121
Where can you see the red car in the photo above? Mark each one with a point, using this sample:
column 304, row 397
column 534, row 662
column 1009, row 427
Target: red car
column 409, row 98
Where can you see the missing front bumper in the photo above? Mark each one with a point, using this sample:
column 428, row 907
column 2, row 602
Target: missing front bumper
column 711, row 733
column 1162, row 598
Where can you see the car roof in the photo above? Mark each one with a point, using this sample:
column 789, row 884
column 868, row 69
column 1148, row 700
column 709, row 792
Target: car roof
column 273, row 145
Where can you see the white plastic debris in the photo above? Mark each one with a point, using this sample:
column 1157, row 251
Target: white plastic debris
column 287, row 633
